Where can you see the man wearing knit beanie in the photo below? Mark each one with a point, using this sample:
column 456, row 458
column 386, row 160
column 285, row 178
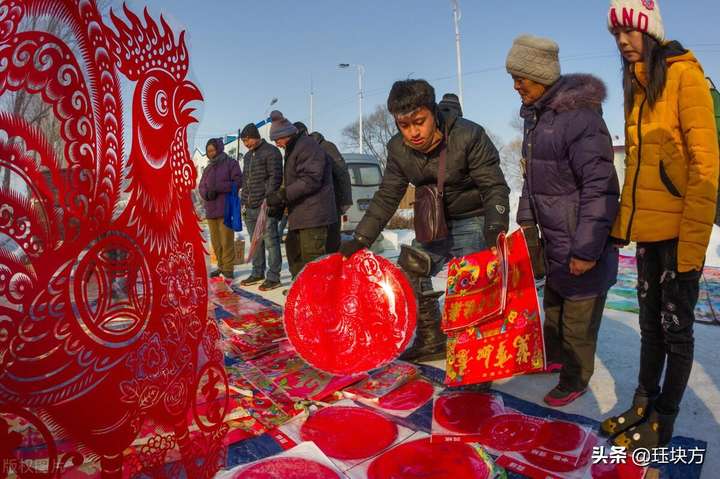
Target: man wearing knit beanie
column 281, row 128
column 307, row 192
column 641, row 15
column 262, row 167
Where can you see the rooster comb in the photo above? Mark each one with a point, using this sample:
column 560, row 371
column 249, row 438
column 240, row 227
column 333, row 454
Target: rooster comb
column 138, row 48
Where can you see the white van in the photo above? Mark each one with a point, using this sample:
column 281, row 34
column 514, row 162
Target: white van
column 365, row 178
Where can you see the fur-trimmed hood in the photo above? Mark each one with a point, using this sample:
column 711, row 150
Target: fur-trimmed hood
column 575, row 92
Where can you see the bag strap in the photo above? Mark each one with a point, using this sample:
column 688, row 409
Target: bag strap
column 442, row 171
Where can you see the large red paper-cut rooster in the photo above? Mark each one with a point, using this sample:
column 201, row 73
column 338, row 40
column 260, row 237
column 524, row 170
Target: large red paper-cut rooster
column 103, row 302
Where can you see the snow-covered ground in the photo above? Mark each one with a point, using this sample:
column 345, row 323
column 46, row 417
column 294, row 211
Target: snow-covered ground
column 617, row 360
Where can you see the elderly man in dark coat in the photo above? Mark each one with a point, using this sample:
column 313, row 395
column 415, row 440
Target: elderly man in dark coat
column 307, row 192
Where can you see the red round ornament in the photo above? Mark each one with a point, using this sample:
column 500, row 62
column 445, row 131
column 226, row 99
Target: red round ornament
column 348, row 316
column 510, row 432
column 345, row 432
column 466, row 412
column 408, row 396
column 422, row 458
column 287, row 468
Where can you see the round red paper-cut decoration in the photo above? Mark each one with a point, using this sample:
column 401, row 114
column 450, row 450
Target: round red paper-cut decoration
column 348, row 316
column 409, row 396
column 510, row 432
column 466, row 412
column 287, row 468
column 349, row 432
column 562, row 437
column 427, row 460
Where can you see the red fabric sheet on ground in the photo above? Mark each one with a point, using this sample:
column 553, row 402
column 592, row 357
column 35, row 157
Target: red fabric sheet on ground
column 349, row 432
column 350, row 316
column 423, row 459
column 287, row 468
column 408, row 396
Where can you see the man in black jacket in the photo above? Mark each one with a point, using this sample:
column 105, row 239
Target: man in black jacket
column 342, row 186
column 475, row 199
column 307, row 192
column 262, row 167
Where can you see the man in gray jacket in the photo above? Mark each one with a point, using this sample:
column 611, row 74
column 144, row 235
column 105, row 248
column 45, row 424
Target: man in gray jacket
column 262, row 167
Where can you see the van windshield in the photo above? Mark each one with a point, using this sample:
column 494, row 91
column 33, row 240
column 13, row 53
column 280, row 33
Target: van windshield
column 364, row 174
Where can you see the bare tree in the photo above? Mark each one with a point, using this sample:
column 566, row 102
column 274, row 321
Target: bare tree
column 378, row 128
column 31, row 107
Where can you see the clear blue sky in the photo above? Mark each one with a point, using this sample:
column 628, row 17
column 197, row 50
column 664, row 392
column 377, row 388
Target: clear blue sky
column 243, row 53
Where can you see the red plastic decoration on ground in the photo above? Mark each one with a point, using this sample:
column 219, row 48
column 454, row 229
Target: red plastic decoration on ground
column 464, row 412
column 562, row 437
column 287, row 468
column 408, row 396
column 510, row 432
column 348, row 316
column 349, row 432
column 428, row 460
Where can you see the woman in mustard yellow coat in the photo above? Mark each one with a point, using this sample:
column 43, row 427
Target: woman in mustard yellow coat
column 667, row 208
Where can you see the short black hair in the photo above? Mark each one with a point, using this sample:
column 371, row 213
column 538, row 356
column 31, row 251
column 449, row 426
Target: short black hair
column 407, row 96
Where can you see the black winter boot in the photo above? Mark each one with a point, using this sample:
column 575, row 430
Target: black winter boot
column 656, row 432
column 430, row 341
column 632, row 417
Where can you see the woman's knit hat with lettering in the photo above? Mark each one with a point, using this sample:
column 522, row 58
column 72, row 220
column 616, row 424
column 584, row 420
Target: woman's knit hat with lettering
column 641, row 15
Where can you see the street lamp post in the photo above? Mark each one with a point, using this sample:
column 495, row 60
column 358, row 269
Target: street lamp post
column 361, row 73
column 457, row 15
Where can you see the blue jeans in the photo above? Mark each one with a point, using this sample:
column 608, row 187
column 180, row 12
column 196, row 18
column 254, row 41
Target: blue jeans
column 282, row 224
column 271, row 243
column 466, row 237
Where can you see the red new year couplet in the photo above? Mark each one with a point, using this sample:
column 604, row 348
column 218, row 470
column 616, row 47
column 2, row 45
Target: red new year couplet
column 348, row 316
column 501, row 334
column 103, row 283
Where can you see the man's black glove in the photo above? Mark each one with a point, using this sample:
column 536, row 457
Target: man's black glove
column 212, row 195
column 349, row 248
column 276, row 212
column 491, row 233
column 277, row 199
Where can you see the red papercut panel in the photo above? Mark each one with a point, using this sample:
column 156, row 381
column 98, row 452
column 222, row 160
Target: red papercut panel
column 349, row 432
column 511, row 432
column 562, row 447
column 350, row 316
column 466, row 412
column 287, row 468
column 421, row 458
column 103, row 284
column 299, row 380
column 409, row 396
column 385, row 380
column 502, row 345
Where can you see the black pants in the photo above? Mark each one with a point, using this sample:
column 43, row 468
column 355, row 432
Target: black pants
column 333, row 236
column 304, row 246
column 667, row 314
column 571, row 331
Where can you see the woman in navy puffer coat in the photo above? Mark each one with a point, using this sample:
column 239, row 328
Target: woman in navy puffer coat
column 570, row 193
